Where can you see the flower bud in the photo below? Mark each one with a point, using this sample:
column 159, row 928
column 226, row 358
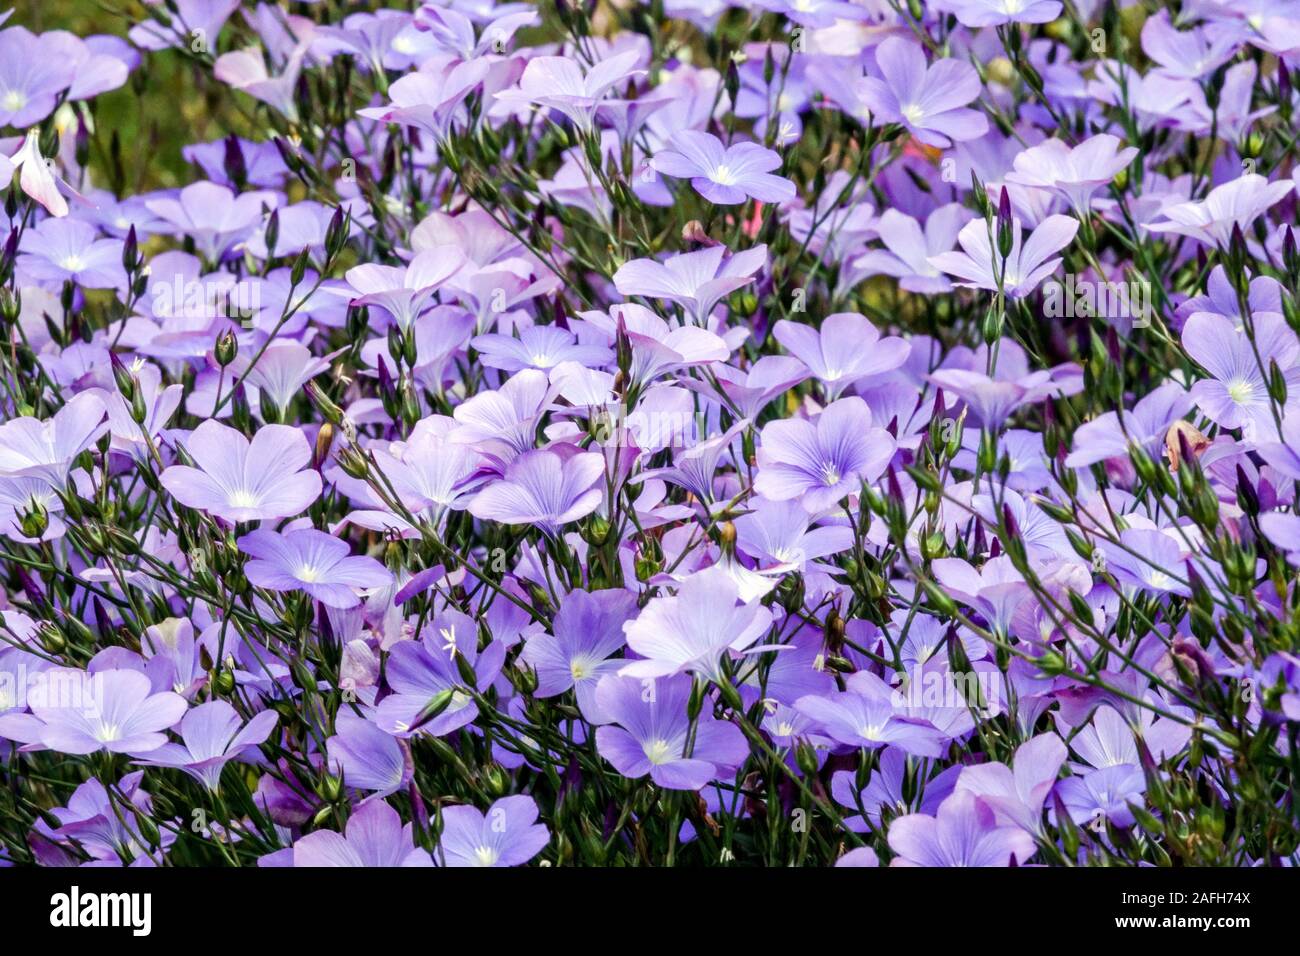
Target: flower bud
column 1005, row 227
column 226, row 349
column 35, row 520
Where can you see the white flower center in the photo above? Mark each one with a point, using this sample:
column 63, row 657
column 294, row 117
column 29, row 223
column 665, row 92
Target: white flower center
column 486, row 855
column 1241, row 391
column 72, row 263
column 658, row 751
column 870, row 731
column 309, row 574
column 913, row 113
column 108, row 732
column 14, row 101
column 243, row 499
column 723, row 176
column 831, row 474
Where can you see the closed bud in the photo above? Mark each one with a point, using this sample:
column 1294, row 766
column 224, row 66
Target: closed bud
column 329, row 788
column 130, row 251
column 1005, row 226
column 331, row 412
column 336, row 235
column 496, row 782
column 324, row 442
column 806, row 758
column 226, row 349
column 938, row 598
column 595, row 531
column 272, row 234
column 122, row 376
column 353, row 462
column 50, row 638
column 436, row 705
column 991, row 328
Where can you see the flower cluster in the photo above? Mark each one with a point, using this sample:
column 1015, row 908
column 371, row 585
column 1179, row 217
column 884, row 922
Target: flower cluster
column 805, row 432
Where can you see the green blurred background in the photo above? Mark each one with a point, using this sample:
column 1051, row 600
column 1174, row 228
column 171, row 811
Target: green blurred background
column 153, row 120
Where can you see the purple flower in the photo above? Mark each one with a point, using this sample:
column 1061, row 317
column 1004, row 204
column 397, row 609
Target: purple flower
column 160, row 404
column 963, row 832
column 1148, row 560
column 693, row 630
column 203, row 17
column 1236, row 395
column 428, row 689
column 929, row 101
column 245, row 70
column 695, row 467
column 81, row 713
column 822, row 461
column 541, row 347
column 1234, row 204
column 777, row 533
column 430, row 474
column 694, row 280
column 652, row 731
column 1075, row 173
column 726, row 175
column 816, row 13
column 1104, row 794
column 558, row 83
column 212, row 215
column 375, row 837
column 47, row 449
column 545, row 488
column 910, row 250
column 846, row 349
column 992, row 400
column 885, row 791
column 239, row 480
column 750, row 391
column 1283, row 529
column 431, row 99
column 990, row 13
column 1278, row 679
column 31, row 79
column 996, row 590
column 507, row 835
column 588, row 630
column 61, row 249
column 861, row 856
column 403, row 292
column 1111, row 434
column 1016, row 794
column 367, row 758
column 868, row 721
column 311, row 561
column 1187, row 54
column 101, row 826
column 213, row 735
column 281, row 370
column 1023, row 269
